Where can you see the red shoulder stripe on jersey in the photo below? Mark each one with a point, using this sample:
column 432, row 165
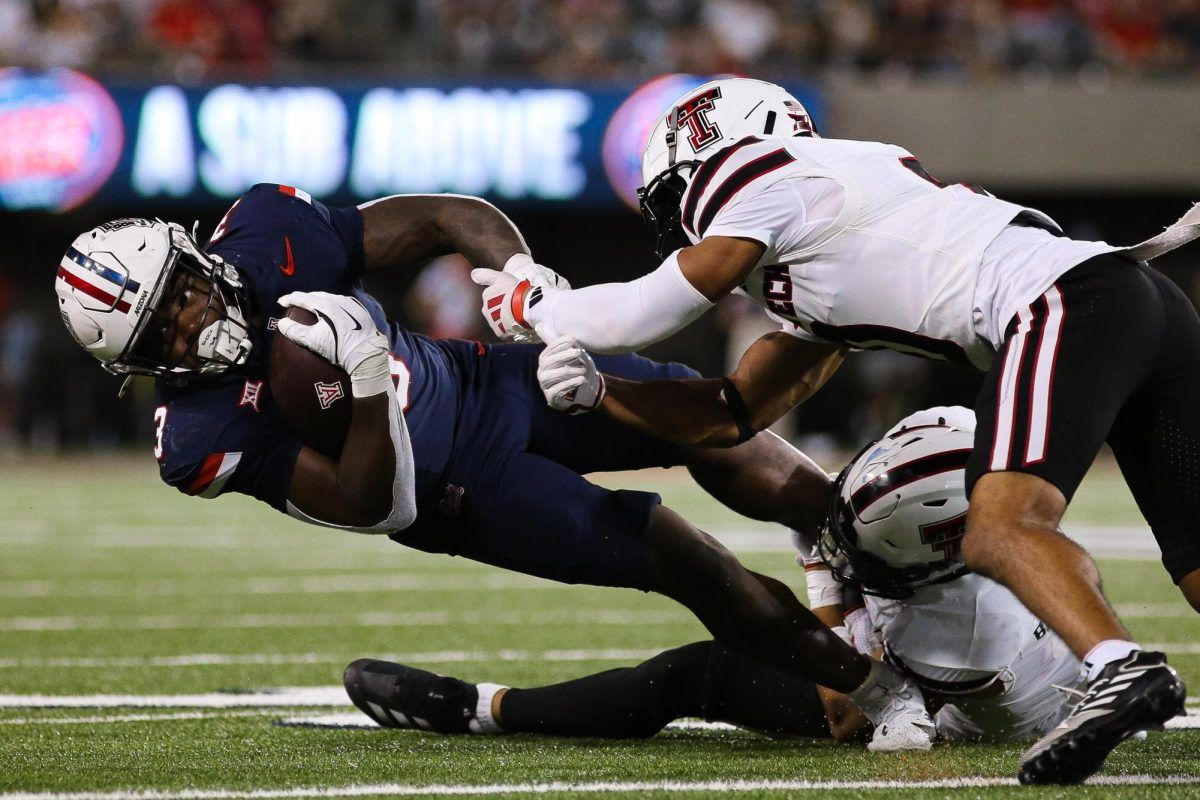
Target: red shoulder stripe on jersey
column 738, row 181
column 290, row 191
column 79, row 283
column 208, row 471
column 704, row 176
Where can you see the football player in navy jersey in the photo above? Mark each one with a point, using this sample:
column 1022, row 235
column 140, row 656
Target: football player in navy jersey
column 450, row 447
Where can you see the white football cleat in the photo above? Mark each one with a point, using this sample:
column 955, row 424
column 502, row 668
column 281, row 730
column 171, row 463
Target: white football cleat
column 897, row 708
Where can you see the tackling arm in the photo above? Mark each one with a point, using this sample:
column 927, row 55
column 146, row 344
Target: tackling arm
column 403, row 229
column 775, row 374
column 623, row 317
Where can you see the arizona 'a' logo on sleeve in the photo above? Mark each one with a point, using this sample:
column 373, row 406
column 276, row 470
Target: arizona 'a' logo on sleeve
column 694, row 114
column 327, row 393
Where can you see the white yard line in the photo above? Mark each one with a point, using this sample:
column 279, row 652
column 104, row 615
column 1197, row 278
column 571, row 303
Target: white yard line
column 432, row 657
column 424, row 618
column 296, row 697
column 178, row 715
column 358, row 720
column 283, row 697
column 219, row 659
column 599, row 787
column 351, row 582
column 374, row 619
column 355, row 719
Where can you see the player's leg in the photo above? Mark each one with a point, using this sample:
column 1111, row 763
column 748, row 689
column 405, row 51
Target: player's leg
column 529, row 514
column 1156, row 439
column 701, row 679
column 1014, row 539
column 1041, row 421
column 630, row 702
column 532, row 515
column 747, row 612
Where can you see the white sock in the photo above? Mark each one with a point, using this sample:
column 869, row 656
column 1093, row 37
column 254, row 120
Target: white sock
column 484, row 722
column 1105, row 653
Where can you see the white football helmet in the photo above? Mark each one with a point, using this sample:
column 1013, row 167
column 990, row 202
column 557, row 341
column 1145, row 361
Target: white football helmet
column 698, row 125
column 899, row 509
column 112, row 279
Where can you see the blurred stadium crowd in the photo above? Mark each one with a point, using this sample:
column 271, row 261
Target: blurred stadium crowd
column 602, row 39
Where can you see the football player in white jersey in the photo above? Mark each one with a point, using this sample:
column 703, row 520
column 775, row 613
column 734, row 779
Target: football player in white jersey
column 853, row 245
column 895, row 526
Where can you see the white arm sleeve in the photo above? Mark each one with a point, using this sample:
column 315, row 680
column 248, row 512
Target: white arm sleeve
column 404, row 484
column 621, row 317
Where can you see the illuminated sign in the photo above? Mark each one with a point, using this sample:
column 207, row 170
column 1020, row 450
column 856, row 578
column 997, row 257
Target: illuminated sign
column 60, row 139
column 511, row 144
column 522, row 144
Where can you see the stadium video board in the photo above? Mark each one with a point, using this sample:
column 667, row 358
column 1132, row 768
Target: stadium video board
column 66, row 140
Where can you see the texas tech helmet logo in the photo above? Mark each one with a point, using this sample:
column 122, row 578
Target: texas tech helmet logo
column 327, row 393
column 693, row 113
column 946, row 536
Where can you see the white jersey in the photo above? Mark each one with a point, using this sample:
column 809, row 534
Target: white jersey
column 865, row 249
column 972, row 644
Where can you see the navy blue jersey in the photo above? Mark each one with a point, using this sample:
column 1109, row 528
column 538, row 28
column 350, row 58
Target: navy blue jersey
column 227, row 434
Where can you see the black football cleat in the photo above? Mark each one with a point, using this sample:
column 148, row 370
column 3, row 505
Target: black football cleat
column 1137, row 693
column 397, row 696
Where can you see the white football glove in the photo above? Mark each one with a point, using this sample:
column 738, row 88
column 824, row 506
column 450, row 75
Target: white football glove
column 508, row 294
column 344, row 334
column 863, row 635
column 524, row 268
column 569, row 378
column 504, row 302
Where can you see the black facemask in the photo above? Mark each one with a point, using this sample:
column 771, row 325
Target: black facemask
column 661, row 203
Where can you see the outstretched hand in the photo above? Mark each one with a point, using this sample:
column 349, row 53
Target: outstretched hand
column 508, row 294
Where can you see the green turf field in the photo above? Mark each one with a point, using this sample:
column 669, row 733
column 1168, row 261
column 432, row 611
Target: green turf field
column 112, row 584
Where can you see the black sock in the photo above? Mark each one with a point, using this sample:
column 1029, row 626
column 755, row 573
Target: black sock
column 620, row 703
column 703, row 679
column 758, row 696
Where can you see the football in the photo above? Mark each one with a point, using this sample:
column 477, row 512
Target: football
column 312, row 394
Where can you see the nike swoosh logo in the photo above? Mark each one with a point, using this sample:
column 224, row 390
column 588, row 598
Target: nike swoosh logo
column 332, row 328
column 357, row 324
column 288, row 267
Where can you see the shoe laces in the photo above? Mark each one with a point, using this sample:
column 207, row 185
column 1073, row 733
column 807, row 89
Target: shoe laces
column 1073, row 693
